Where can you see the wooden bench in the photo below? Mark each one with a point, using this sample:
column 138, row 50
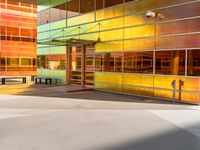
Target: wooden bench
column 48, row 80
column 3, row 80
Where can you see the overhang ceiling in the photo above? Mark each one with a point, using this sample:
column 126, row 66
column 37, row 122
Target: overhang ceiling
column 65, row 42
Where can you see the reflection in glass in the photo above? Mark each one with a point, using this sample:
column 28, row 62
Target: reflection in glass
column 54, row 62
column 193, row 63
column 26, row 61
column 58, row 12
column 138, row 62
column 76, row 78
column 109, row 3
column 73, row 8
column 170, row 62
column 76, row 57
column 86, row 6
column 108, row 62
column 99, row 4
column 12, row 61
column 41, row 62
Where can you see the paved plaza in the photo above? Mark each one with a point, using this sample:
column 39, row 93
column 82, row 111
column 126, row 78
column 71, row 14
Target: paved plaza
column 48, row 118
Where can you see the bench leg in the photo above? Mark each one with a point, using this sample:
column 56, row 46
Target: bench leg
column 3, row 81
column 24, row 80
column 40, row 81
column 50, row 81
column 46, row 81
column 32, row 78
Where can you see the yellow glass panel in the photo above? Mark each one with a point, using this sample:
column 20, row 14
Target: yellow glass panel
column 163, row 82
column 102, row 77
column 109, row 46
column 111, row 35
column 110, row 87
column 190, row 84
column 138, row 19
column 138, row 80
column 90, row 27
column 109, row 12
column 90, row 17
column 189, row 97
column 111, row 23
column 163, row 94
column 108, row 81
column 139, row 44
column 139, row 6
column 137, row 90
column 92, row 36
column 71, row 31
column 138, row 32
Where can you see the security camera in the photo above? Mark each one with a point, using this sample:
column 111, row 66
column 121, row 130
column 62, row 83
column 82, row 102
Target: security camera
column 151, row 14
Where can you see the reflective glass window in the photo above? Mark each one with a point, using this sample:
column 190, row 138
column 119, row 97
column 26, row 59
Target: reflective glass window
column 54, row 62
column 109, row 62
column 170, row 62
column 41, row 62
column 2, row 30
column 109, row 3
column 26, row 61
column 13, row 31
column 44, row 16
column 63, row 11
column 13, row 61
column 193, row 63
column 99, row 4
column 2, row 64
column 86, row 6
column 58, row 12
column 55, row 13
column 2, row 61
column 138, row 62
column 73, row 8
column 26, row 32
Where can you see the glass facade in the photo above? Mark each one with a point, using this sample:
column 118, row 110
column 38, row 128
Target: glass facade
column 18, row 36
column 141, row 46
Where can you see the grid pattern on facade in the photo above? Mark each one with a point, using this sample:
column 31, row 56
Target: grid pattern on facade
column 137, row 52
column 18, row 33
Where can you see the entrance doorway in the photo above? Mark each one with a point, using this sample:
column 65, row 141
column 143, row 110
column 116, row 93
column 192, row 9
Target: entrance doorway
column 82, row 65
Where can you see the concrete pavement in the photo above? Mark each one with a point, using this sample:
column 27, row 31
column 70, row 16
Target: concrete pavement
column 96, row 121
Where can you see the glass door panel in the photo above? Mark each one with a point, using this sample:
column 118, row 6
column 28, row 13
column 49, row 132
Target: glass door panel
column 82, row 65
column 76, row 65
column 89, row 64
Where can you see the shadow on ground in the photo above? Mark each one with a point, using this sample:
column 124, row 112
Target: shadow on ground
column 95, row 95
column 40, row 90
column 174, row 139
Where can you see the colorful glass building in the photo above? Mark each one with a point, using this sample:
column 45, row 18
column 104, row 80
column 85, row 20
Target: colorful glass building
column 127, row 46
column 18, row 29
